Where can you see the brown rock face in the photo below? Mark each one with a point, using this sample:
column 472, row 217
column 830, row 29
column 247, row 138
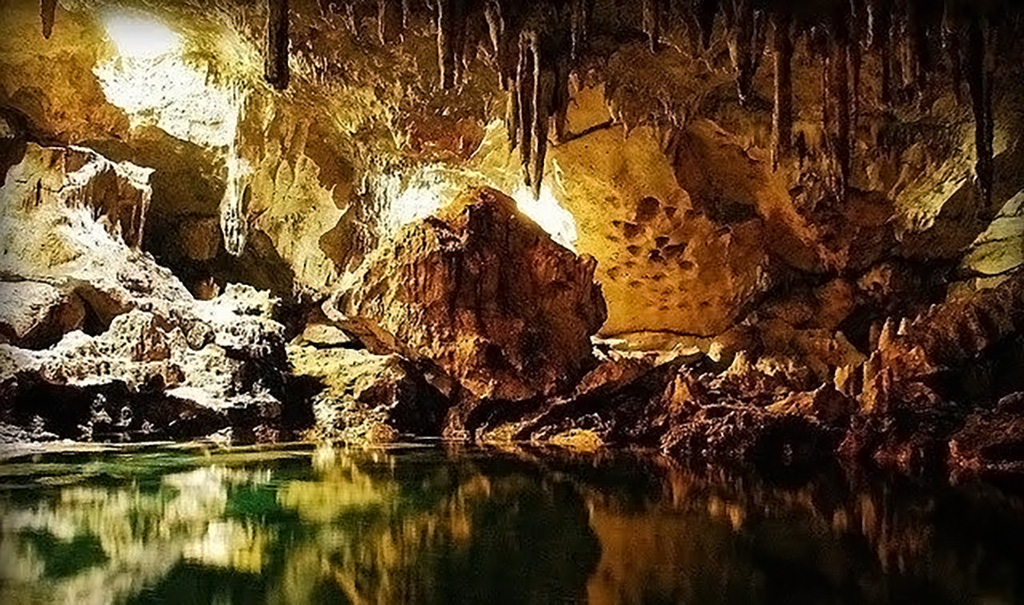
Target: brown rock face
column 482, row 292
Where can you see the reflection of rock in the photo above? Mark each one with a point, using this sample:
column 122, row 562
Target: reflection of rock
column 367, row 398
column 482, row 292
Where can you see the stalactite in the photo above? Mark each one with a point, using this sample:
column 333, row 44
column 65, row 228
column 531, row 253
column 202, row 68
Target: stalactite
column 819, row 45
column 880, row 26
column 782, row 115
column 841, row 96
column 406, row 14
column 580, row 13
column 856, row 23
column 47, row 12
column 907, row 37
column 560, row 96
column 495, row 17
column 979, row 81
column 276, row 59
column 651, row 22
column 706, row 11
column 745, row 31
column 445, row 43
column 952, row 35
column 543, row 88
column 389, row 20
column 525, row 79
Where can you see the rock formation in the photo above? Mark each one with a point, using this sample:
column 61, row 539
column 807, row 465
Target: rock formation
column 103, row 342
column 483, row 293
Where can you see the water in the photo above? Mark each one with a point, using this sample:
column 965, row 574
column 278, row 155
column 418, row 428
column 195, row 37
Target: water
column 429, row 524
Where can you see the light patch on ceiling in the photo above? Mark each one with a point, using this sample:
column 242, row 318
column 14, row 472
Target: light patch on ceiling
column 149, row 79
column 428, row 189
column 548, row 213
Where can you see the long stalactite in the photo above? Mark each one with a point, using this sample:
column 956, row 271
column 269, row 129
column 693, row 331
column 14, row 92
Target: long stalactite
column 782, row 114
column 980, row 83
column 47, row 13
column 276, row 59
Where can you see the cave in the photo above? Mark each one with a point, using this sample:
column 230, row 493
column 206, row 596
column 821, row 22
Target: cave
column 720, row 247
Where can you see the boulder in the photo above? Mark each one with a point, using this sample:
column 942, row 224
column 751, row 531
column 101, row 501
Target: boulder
column 482, row 292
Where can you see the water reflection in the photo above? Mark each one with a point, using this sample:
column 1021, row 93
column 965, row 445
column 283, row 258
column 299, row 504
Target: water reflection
column 429, row 525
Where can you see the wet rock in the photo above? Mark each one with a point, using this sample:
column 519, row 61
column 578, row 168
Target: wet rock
column 937, row 349
column 616, row 403
column 367, row 398
column 746, row 436
column 234, row 375
column 826, row 404
column 483, row 293
column 990, row 445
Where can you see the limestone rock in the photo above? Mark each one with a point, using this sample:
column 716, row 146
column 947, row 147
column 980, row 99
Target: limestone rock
column 73, row 219
column 35, row 315
column 482, row 292
column 367, row 398
column 825, row 403
column 942, row 341
column 235, row 374
column 154, row 357
column 989, row 446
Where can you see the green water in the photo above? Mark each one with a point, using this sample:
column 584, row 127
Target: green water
column 429, row 524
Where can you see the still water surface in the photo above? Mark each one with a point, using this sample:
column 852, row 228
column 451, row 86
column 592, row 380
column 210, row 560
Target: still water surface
column 428, row 524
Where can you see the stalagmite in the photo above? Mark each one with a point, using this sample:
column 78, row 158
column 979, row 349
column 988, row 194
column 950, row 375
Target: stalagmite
column 276, row 58
column 979, row 80
column 47, row 11
column 782, row 116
